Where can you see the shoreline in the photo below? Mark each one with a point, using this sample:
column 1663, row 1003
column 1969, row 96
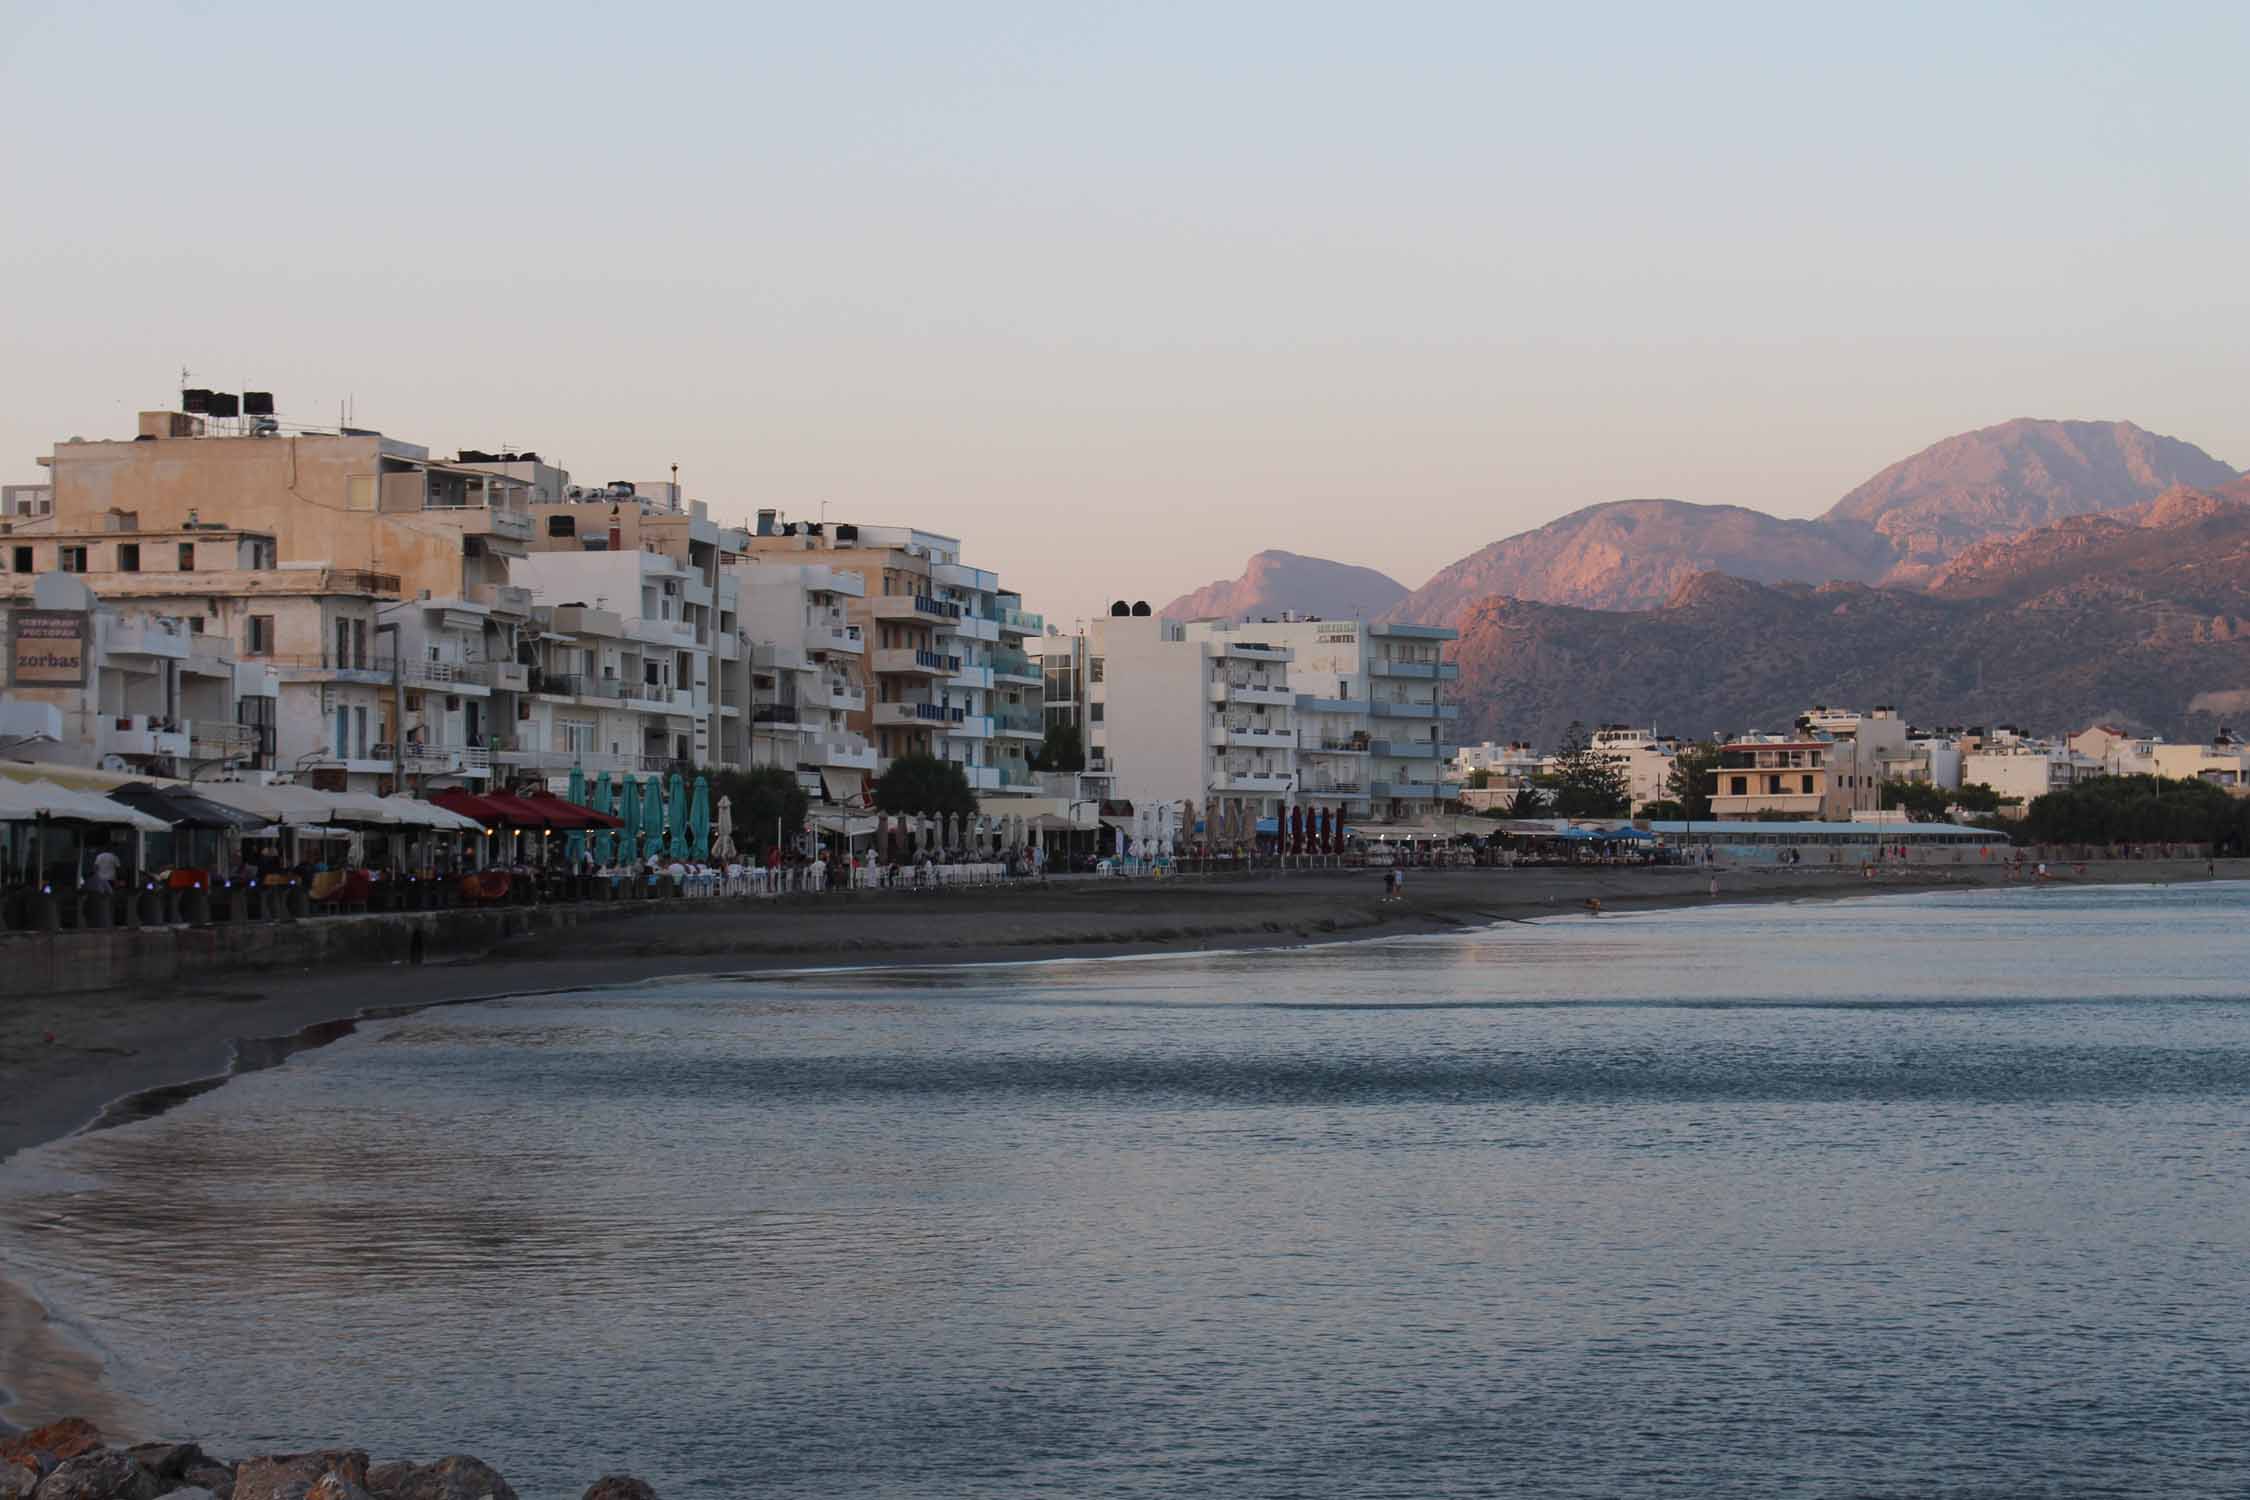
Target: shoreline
column 155, row 1052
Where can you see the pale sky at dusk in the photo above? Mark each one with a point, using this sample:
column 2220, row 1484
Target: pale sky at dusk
column 1122, row 296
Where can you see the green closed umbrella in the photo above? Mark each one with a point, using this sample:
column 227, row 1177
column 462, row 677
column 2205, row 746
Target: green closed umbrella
column 699, row 818
column 629, row 808
column 574, row 846
column 676, row 815
column 601, row 803
column 652, row 815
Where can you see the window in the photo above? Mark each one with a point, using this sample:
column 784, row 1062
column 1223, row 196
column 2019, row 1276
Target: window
column 359, row 643
column 23, row 560
column 343, row 732
column 257, row 639
column 187, row 557
column 1740, row 787
column 1094, row 712
column 1808, row 783
column 562, row 526
column 359, row 732
column 1094, row 669
column 74, row 559
column 257, row 713
column 343, row 657
column 128, row 557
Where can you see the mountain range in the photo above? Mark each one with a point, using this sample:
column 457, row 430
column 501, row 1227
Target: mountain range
column 2140, row 617
column 2044, row 570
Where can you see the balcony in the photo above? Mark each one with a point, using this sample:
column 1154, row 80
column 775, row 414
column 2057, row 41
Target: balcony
column 1014, row 666
column 144, row 635
column 916, row 714
column 216, row 739
column 974, row 627
column 1427, row 671
column 446, row 676
column 326, row 667
column 1408, row 790
column 846, row 638
column 1022, row 622
column 1349, row 744
column 919, row 607
column 1311, row 705
column 144, row 736
column 844, row 752
column 1333, row 789
column 831, row 695
column 903, row 663
column 1382, row 710
column 774, row 716
column 1252, row 781
column 501, row 598
column 1253, row 734
column 973, row 677
column 1268, row 690
column 1412, row 749
column 981, row 778
column 1019, row 725
column 973, row 727
column 507, row 676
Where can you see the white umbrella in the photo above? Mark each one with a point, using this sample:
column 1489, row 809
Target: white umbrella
column 722, row 833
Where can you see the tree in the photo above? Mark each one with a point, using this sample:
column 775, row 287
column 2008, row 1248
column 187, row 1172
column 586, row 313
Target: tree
column 1527, row 803
column 1928, row 803
column 1666, row 811
column 2137, row 810
column 1062, row 750
column 1693, row 780
column 1586, row 783
column 1923, row 801
column 1479, row 779
column 925, row 785
column 759, row 797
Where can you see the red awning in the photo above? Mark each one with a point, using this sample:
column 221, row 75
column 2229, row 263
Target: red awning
column 560, row 812
column 469, row 805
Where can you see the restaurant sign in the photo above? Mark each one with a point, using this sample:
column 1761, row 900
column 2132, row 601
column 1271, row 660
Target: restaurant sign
column 48, row 647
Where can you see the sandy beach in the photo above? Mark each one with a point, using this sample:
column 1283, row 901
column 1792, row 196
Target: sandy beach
column 66, row 1060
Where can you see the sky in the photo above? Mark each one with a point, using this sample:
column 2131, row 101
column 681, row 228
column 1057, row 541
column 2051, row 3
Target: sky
column 1121, row 294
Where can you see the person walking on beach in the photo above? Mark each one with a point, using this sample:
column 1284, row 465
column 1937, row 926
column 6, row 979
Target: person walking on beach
column 1390, row 885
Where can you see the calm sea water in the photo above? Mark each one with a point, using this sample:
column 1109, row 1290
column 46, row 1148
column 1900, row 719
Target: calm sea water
column 1911, row 1196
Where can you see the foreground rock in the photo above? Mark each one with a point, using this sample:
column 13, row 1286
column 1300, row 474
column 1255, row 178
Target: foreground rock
column 67, row 1460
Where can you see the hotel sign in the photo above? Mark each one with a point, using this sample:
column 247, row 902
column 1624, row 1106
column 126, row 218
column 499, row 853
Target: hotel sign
column 48, row 647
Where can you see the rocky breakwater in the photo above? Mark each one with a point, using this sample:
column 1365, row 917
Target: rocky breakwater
column 68, row 1460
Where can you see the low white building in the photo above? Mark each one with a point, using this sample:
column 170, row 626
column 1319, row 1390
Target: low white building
column 91, row 684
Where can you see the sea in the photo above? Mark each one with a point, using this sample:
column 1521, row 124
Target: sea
column 1912, row 1195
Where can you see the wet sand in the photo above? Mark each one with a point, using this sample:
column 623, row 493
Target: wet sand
column 68, row 1062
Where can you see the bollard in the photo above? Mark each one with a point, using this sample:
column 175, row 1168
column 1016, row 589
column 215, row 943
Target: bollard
column 195, row 907
column 300, row 901
column 46, row 912
column 96, row 910
column 238, row 903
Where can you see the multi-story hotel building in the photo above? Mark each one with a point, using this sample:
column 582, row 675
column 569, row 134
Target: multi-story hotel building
column 947, row 672
column 1831, row 768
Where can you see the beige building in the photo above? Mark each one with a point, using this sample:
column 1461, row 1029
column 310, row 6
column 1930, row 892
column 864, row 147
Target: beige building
column 1832, row 769
column 371, row 577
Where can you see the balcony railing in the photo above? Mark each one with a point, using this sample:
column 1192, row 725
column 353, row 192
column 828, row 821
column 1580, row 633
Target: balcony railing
column 1023, row 622
column 1019, row 724
column 1007, row 663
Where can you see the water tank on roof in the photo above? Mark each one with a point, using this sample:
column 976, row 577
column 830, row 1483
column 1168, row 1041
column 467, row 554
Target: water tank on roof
column 1140, row 609
column 257, row 403
column 1120, row 610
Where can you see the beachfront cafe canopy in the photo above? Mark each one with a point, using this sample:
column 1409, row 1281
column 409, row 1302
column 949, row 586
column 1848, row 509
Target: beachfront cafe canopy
column 182, row 808
column 32, row 801
column 290, row 806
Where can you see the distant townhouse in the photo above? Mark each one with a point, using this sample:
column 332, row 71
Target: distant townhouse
column 1831, row 768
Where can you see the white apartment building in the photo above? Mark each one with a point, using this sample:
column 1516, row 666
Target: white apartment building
column 1644, row 756
column 1208, row 720
column 947, row 672
column 798, row 615
column 1372, row 726
column 130, row 689
column 1509, row 766
column 619, row 680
